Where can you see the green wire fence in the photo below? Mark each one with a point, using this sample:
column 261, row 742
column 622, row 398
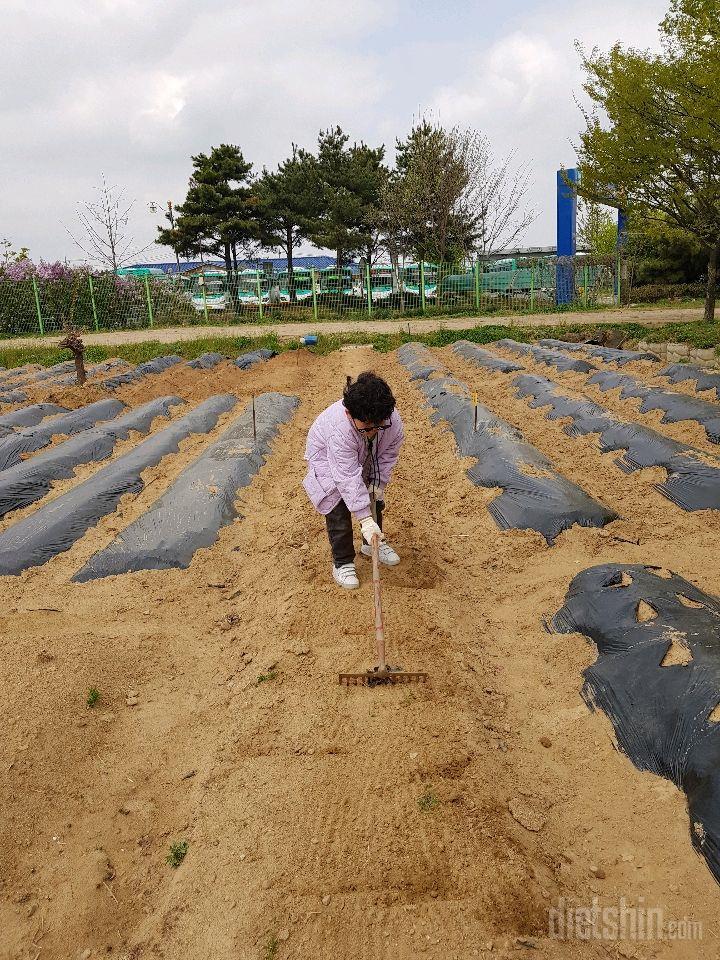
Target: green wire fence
column 39, row 305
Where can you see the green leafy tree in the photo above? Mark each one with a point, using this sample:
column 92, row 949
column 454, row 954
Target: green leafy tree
column 349, row 184
column 666, row 255
column 9, row 255
column 658, row 153
column 219, row 213
column 597, row 229
column 288, row 203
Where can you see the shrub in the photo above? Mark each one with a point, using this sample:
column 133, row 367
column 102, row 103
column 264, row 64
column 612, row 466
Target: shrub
column 66, row 295
column 655, row 292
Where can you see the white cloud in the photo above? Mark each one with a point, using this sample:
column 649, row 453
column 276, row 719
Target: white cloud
column 520, row 89
column 132, row 89
column 509, row 76
column 165, row 99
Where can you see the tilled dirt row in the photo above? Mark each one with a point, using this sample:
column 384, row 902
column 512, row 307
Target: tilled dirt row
column 645, row 371
column 324, row 822
column 645, row 515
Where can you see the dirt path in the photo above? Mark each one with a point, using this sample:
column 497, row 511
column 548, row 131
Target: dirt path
column 327, row 823
column 650, row 316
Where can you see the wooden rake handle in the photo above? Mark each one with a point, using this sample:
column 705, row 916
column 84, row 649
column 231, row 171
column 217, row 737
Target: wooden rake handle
column 377, row 594
column 377, row 598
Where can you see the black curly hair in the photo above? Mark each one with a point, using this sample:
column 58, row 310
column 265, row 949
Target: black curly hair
column 369, row 398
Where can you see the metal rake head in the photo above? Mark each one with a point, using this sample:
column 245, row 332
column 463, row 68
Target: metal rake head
column 378, row 677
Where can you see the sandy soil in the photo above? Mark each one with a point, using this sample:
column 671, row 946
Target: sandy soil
column 440, row 821
column 648, row 372
column 651, row 316
column 645, row 372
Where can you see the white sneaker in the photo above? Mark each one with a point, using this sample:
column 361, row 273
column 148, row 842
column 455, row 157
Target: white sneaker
column 386, row 553
column 345, row 576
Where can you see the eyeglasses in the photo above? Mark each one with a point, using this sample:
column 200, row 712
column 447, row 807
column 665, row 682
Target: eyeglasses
column 366, row 430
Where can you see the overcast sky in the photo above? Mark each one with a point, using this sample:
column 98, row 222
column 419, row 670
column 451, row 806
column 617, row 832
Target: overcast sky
column 131, row 88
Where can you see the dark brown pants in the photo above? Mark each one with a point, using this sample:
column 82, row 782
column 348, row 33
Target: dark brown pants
column 340, row 532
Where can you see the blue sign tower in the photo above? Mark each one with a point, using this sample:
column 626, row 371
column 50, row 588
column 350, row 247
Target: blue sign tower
column 566, row 235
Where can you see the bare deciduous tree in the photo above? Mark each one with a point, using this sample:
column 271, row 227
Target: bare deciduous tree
column 104, row 223
column 495, row 195
column 448, row 197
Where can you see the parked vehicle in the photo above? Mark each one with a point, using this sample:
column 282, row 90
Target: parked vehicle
column 337, row 281
column 303, row 284
column 209, row 290
column 411, row 274
column 381, row 282
column 248, row 283
column 140, row 272
column 500, row 277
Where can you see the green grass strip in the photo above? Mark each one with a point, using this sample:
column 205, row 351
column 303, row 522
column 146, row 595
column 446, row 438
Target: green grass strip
column 694, row 333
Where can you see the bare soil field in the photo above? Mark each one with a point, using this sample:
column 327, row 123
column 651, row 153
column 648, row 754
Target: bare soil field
column 445, row 821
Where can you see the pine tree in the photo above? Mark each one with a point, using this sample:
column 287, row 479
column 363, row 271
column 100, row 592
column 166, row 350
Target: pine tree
column 288, row 206
column 219, row 213
column 350, row 180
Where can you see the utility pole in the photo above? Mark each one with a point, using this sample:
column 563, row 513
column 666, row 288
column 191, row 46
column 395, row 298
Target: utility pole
column 171, row 215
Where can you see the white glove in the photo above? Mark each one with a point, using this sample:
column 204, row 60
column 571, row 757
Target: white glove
column 369, row 529
column 378, row 490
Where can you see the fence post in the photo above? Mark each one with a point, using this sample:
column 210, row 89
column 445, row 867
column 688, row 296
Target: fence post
column 202, row 280
column 149, row 302
column 37, row 306
column 368, row 288
column 259, row 293
column 532, row 287
column 314, row 293
column 477, row 284
column 617, row 276
column 422, row 285
column 92, row 301
column 585, row 285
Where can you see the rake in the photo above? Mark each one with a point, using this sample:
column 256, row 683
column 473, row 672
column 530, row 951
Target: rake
column 382, row 673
